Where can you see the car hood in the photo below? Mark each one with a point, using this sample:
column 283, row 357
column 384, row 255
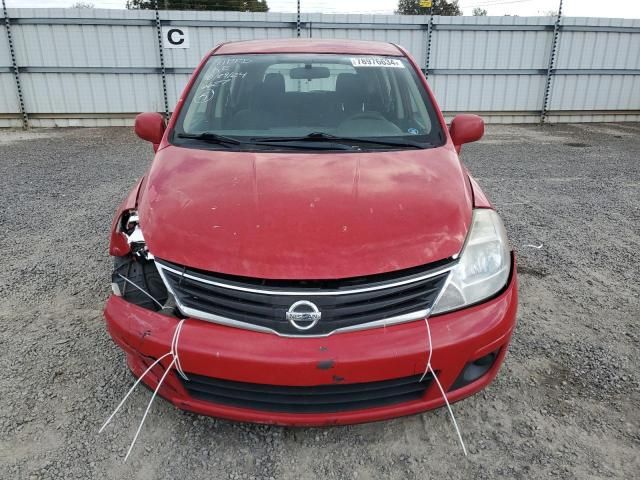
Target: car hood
column 305, row 215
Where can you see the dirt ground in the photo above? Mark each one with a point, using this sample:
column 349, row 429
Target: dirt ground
column 565, row 404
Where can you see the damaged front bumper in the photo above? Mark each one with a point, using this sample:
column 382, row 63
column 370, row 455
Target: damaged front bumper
column 343, row 378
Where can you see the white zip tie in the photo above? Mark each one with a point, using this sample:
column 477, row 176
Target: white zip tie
column 174, row 350
column 131, row 391
column 429, row 368
column 144, row 417
column 175, row 361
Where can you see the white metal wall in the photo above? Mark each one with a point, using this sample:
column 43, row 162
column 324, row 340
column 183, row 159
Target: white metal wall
column 100, row 67
column 491, row 70
column 606, row 51
column 8, row 94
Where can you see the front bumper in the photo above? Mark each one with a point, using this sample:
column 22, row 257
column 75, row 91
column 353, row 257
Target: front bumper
column 212, row 350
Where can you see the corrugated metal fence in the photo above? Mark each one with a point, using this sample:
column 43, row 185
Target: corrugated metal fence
column 100, row 67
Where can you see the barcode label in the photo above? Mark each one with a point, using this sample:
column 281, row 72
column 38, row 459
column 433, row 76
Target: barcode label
column 376, row 62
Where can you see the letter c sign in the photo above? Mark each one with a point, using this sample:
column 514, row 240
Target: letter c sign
column 175, row 37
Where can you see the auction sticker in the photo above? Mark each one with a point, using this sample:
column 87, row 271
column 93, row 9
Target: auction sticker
column 376, row 62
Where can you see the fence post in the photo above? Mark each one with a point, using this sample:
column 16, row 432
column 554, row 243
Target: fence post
column 162, row 68
column 14, row 65
column 428, row 52
column 552, row 63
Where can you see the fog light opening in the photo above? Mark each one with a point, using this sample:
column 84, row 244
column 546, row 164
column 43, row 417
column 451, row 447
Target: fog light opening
column 475, row 369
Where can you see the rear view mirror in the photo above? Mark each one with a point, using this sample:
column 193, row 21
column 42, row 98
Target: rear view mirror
column 150, row 126
column 466, row 128
column 309, row 72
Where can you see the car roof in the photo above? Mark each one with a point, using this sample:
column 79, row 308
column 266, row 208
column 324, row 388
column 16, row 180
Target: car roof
column 308, row 45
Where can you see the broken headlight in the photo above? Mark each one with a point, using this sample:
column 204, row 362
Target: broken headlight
column 130, row 226
column 135, row 276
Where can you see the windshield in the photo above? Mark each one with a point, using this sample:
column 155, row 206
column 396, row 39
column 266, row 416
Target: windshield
column 265, row 101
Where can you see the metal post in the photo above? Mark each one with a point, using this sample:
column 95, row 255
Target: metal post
column 552, row 64
column 162, row 68
column 14, row 65
column 429, row 33
column 298, row 20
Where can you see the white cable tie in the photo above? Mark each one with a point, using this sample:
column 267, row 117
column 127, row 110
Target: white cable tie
column 426, row 369
column 144, row 417
column 175, row 361
column 174, row 349
column 429, row 368
column 132, row 389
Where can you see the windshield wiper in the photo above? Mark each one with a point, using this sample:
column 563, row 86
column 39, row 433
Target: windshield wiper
column 327, row 137
column 211, row 138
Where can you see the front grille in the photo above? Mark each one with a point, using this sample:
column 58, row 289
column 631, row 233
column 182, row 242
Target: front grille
column 315, row 399
column 343, row 304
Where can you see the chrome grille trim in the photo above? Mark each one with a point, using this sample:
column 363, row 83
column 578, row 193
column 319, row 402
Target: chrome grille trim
column 221, row 320
column 306, row 293
column 210, row 317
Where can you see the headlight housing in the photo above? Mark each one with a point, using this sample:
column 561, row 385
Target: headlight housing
column 484, row 265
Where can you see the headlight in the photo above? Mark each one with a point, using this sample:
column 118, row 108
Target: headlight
column 484, row 265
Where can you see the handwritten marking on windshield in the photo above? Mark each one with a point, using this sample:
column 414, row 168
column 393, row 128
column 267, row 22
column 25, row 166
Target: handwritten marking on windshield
column 219, row 76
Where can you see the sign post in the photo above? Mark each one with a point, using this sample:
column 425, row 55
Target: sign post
column 428, row 4
column 552, row 59
column 14, row 65
column 163, row 71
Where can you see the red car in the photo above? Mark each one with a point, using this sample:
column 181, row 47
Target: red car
column 306, row 215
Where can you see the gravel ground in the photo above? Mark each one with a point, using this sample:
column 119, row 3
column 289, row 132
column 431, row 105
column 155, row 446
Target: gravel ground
column 565, row 404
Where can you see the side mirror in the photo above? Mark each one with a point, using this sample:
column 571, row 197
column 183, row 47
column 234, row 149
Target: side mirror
column 150, row 126
column 466, row 128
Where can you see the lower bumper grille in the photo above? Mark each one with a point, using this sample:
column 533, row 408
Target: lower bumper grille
column 315, row 399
